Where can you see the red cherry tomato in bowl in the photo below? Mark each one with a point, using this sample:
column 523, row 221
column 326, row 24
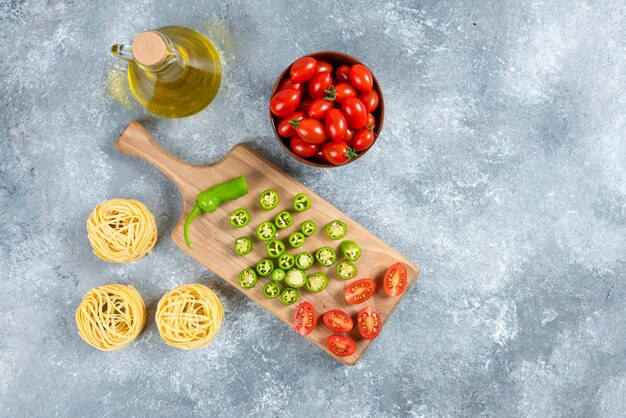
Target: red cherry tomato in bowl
column 304, row 104
column 370, row 99
column 363, row 139
column 303, row 149
column 343, row 73
column 370, row 121
column 319, row 108
column 290, row 84
column 359, row 291
column 369, row 322
column 337, row 153
column 285, row 127
column 305, row 319
column 303, row 69
column 394, row 281
column 311, row 131
column 323, row 67
column 285, row 102
column 336, row 124
column 355, row 112
column 343, row 91
column 318, row 84
column 338, row 321
column 349, row 138
column 340, row 345
column 361, row 78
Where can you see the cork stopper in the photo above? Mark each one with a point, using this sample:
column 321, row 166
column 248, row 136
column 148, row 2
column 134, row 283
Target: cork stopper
column 149, row 49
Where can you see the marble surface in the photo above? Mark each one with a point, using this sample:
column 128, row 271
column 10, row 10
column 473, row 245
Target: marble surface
column 501, row 171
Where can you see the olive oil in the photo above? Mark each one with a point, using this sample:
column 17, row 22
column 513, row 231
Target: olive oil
column 173, row 71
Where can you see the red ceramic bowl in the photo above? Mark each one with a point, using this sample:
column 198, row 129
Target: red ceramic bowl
column 336, row 59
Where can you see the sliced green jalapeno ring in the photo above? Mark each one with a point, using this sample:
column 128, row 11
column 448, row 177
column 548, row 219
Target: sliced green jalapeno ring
column 271, row 290
column 239, row 218
column 295, row 278
column 275, row 248
column 326, row 256
column 266, row 231
column 305, row 261
column 308, row 228
column 283, row 220
column 346, row 270
column 301, row 202
column 247, row 278
column 336, row 229
column 242, row 245
column 268, row 199
column 264, row 267
column 296, row 239
column 286, row 261
column 350, row 250
column 289, row 296
column 316, row 282
column 278, row 275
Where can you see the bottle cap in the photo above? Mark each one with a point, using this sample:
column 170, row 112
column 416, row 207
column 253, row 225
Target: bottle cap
column 149, row 49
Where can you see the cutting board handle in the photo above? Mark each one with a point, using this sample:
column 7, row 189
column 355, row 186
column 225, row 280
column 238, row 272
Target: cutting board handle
column 137, row 142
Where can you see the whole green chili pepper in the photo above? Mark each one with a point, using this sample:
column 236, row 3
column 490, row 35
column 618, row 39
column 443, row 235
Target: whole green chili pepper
column 210, row 199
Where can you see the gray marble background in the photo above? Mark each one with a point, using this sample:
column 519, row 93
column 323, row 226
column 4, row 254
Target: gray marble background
column 501, row 171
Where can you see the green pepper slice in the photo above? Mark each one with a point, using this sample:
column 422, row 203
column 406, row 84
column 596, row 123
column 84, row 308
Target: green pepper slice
column 239, row 218
column 308, row 228
column 264, row 267
column 271, row 290
column 289, row 296
column 278, row 275
column 247, row 278
column 336, row 229
column 286, row 261
column 326, row 256
column 268, row 199
column 266, row 231
column 301, row 202
column 242, row 245
column 350, row 250
column 296, row 240
column 346, row 270
column 275, row 248
column 316, row 282
column 305, row 260
column 283, row 220
column 295, row 278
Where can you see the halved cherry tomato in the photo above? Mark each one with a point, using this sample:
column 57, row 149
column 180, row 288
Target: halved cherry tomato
column 359, row 291
column 370, row 100
column 340, row 345
column 336, row 124
column 285, row 102
column 343, row 91
column 355, row 112
column 290, row 84
column 369, row 322
column 348, row 139
column 303, row 69
column 361, row 77
column 394, row 281
column 319, row 108
column 285, row 127
column 323, row 67
column 319, row 83
column 305, row 319
column 343, row 73
column 363, row 139
column 338, row 321
column 303, row 149
column 337, row 153
column 311, row 130
column 305, row 103
column 370, row 121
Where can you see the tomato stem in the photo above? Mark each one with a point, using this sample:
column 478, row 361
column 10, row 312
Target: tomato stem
column 350, row 153
column 331, row 94
column 295, row 123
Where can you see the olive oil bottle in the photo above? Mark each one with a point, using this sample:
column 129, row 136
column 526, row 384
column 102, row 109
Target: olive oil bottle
column 173, row 71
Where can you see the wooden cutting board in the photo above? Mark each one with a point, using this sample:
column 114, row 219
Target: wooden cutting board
column 213, row 236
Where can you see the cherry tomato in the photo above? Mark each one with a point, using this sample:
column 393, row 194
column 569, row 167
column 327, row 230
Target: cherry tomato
column 355, row 112
column 337, row 153
column 323, row 67
column 338, row 321
column 285, row 102
column 363, row 140
column 340, row 345
column 361, row 77
column 304, row 104
column 359, row 291
column 343, row 91
column 319, row 157
column 370, row 100
column 285, row 127
column 319, row 108
column 303, row 69
column 290, row 84
column 348, row 139
column 336, row 124
column 319, row 83
column 394, row 281
column 305, row 319
column 303, row 149
column 369, row 322
column 370, row 121
column 311, row 131
column 343, row 73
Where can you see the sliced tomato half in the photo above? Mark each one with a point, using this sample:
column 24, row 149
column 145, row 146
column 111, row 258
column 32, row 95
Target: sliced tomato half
column 340, row 345
column 394, row 281
column 369, row 322
column 338, row 321
column 305, row 319
column 359, row 291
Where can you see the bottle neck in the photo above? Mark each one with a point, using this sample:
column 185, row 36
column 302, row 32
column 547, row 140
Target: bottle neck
column 151, row 51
